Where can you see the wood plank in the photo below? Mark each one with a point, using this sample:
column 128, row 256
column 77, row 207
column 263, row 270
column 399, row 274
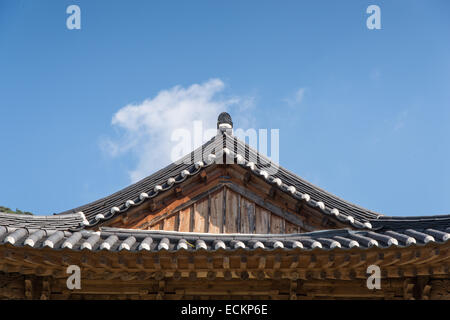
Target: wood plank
column 177, row 222
column 267, row 205
column 200, row 215
column 185, row 220
column 216, row 219
column 191, row 218
column 232, row 207
column 248, row 219
column 224, row 208
column 142, row 216
column 169, row 223
column 262, row 220
column 155, row 227
column 291, row 228
column 238, row 222
column 169, row 212
column 208, row 217
column 198, row 197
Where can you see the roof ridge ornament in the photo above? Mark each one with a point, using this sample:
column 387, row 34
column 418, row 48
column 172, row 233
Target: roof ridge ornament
column 224, row 123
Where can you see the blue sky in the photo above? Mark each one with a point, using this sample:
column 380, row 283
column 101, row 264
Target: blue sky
column 362, row 113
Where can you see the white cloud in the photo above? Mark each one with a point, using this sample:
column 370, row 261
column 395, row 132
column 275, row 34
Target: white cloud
column 299, row 94
column 148, row 126
column 297, row 97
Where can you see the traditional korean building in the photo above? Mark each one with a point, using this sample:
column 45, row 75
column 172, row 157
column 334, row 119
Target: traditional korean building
column 224, row 225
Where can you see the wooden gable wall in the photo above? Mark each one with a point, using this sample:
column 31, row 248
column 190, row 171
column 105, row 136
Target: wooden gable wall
column 225, row 211
column 224, row 199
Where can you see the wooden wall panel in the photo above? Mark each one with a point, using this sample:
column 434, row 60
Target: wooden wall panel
column 291, row 228
column 276, row 224
column 248, row 219
column 216, row 215
column 262, row 220
column 169, row 223
column 200, row 215
column 226, row 211
column 156, row 226
column 185, row 217
column 232, row 212
column 245, row 220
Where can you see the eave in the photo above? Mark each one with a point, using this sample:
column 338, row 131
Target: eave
column 125, row 255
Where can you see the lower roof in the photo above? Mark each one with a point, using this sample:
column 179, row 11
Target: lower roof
column 55, row 222
column 116, row 240
column 399, row 223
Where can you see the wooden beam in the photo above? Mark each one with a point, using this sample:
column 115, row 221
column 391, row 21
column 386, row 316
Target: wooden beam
column 413, row 257
column 267, row 205
column 393, row 259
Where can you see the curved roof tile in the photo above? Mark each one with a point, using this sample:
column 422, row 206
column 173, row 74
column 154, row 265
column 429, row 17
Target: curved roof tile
column 115, row 240
column 55, row 222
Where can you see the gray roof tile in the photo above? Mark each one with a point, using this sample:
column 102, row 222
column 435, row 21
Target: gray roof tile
column 114, row 240
column 55, row 222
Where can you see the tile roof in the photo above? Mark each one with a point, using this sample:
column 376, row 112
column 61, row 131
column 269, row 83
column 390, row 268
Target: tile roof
column 55, row 222
column 66, row 230
column 241, row 154
column 115, row 239
column 398, row 223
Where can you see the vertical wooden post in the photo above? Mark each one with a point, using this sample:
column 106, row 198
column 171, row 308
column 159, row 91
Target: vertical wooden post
column 224, row 210
column 191, row 219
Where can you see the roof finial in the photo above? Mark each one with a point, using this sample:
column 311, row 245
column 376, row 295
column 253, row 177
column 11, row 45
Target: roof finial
column 224, row 123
